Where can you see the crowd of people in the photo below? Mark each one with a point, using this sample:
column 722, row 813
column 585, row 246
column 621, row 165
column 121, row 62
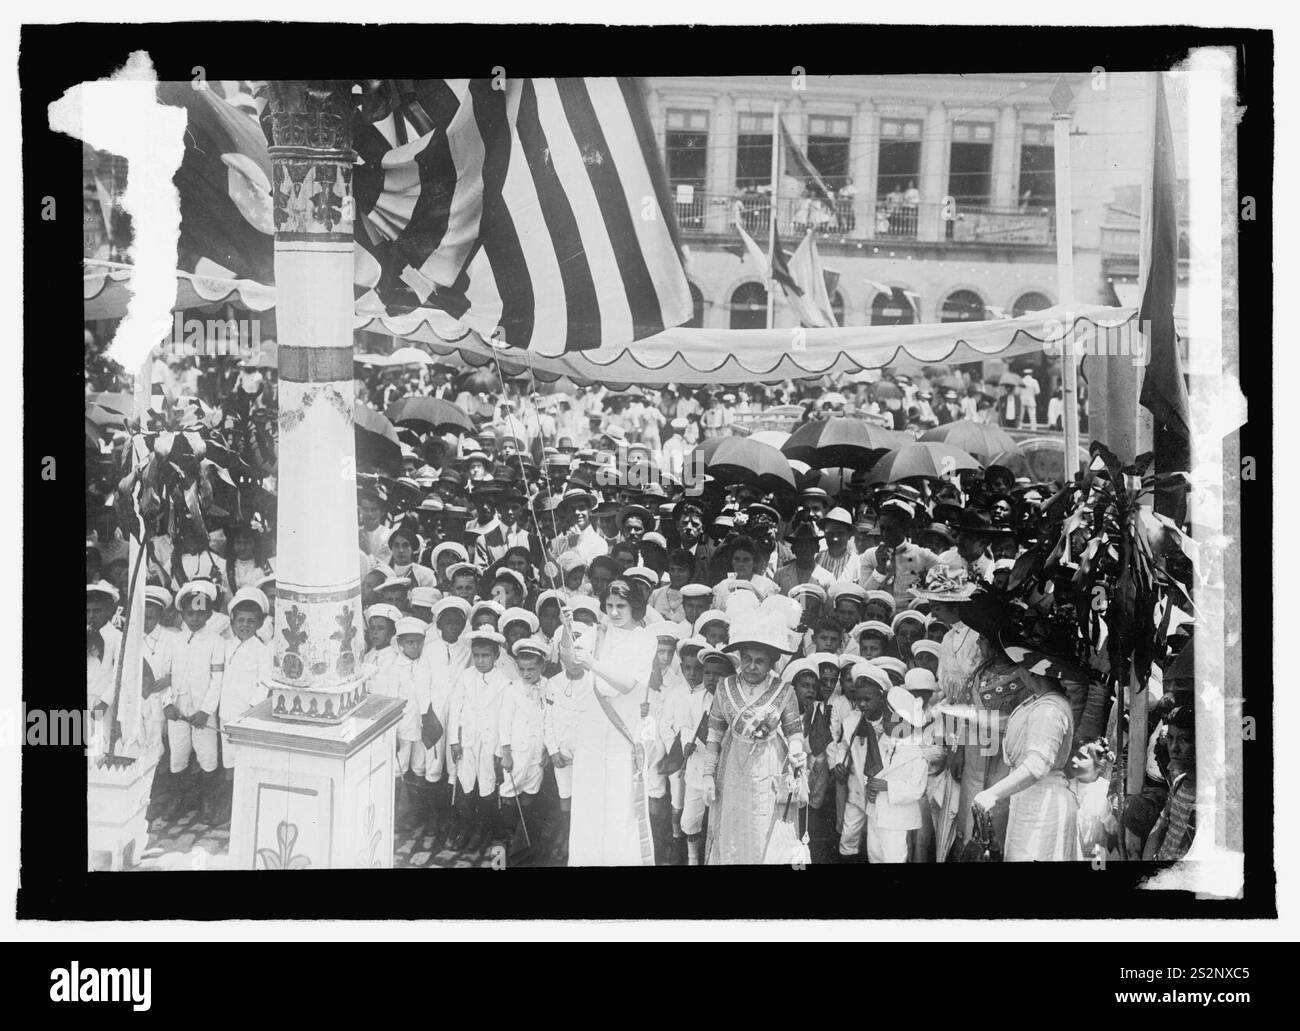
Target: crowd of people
column 606, row 669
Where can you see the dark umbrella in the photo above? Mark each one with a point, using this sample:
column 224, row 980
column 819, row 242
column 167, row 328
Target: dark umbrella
column 741, row 460
column 481, row 381
column 376, row 441
column 923, row 459
column 854, row 443
column 980, row 439
column 1013, row 461
column 429, row 415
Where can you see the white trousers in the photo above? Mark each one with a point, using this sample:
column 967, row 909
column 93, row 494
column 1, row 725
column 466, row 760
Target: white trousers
column 184, row 738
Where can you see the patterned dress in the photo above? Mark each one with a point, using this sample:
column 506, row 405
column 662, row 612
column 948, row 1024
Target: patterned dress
column 751, row 727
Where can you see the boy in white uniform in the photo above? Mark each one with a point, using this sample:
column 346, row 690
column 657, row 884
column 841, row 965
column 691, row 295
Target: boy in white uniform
column 473, row 720
column 684, row 707
column 409, row 678
column 567, row 697
column 248, row 668
column 193, row 694
column 887, row 768
column 446, row 651
column 520, row 739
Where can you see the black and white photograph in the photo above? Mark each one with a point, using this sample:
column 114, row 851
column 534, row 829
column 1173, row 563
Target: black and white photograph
column 786, row 448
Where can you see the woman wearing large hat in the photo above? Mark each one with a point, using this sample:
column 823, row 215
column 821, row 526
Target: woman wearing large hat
column 755, row 739
column 1036, row 746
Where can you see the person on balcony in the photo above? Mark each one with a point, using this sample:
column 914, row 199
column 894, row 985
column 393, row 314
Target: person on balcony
column 911, row 208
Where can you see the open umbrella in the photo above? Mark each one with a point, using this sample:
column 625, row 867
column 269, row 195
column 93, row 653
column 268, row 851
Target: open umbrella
column 481, row 381
column 410, row 356
column 744, row 460
column 772, row 438
column 855, row 443
column 924, row 459
column 836, row 480
column 980, row 439
column 885, row 390
column 1045, row 458
column 429, row 415
column 376, row 440
column 1013, row 461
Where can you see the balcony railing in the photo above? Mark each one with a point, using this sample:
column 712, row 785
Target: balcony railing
column 857, row 218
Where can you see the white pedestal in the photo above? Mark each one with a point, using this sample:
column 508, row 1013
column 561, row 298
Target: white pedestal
column 314, row 797
column 117, row 798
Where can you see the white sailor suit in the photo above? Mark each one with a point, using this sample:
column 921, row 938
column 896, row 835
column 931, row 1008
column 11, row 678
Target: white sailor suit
column 894, row 812
column 521, row 727
column 473, row 722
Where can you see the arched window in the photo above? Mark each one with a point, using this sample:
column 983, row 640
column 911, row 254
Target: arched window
column 963, row 306
column 749, row 307
column 837, row 307
column 892, row 309
column 1026, row 303
column 697, row 303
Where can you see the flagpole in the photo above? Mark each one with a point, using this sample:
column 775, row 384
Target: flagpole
column 1062, row 97
column 771, row 216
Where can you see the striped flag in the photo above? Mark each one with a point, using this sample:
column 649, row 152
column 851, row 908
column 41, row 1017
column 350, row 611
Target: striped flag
column 538, row 211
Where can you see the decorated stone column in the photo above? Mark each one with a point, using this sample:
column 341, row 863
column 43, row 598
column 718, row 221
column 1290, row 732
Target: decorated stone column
column 314, row 763
column 318, row 621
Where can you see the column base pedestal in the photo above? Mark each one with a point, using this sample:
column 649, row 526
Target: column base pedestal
column 314, row 796
column 117, row 830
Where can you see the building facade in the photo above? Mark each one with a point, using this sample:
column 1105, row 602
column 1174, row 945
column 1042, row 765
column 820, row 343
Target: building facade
column 944, row 188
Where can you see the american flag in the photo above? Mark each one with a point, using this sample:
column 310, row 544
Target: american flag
column 535, row 210
column 540, row 206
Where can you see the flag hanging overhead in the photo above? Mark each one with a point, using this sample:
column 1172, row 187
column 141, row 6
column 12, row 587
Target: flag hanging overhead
column 541, row 206
column 538, row 213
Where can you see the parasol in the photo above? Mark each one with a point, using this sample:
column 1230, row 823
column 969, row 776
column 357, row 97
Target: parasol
column 1044, row 459
column 429, row 415
column 410, row 356
column 920, row 459
column 376, row 441
column 481, row 381
column 855, row 443
column 772, row 438
column 744, row 460
column 980, row 439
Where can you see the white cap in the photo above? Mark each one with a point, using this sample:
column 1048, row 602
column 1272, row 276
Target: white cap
column 906, row 705
column 519, row 615
column 411, row 625
column 390, row 612
column 451, row 602
column 103, row 587
column 250, row 595
column 920, row 680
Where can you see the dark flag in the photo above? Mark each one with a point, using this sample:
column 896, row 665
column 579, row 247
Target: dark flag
column 1164, row 391
column 797, row 164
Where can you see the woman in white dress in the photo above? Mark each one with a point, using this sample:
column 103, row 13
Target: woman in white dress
column 606, row 827
column 1042, row 826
